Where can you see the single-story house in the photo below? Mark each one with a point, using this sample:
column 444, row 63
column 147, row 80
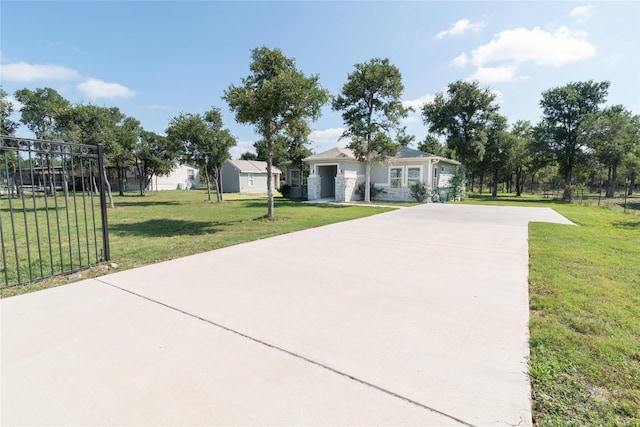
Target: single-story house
column 247, row 176
column 336, row 173
column 182, row 177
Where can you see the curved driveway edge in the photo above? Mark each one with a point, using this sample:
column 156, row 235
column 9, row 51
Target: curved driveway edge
column 414, row 317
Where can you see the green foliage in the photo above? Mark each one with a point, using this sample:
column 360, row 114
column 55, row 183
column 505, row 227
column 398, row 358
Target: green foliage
column 463, row 116
column 285, row 190
column 432, row 145
column 564, row 109
column 7, row 126
column 40, row 111
column 275, row 98
column 457, row 181
column 373, row 190
column 371, row 106
column 419, row 192
column 248, row 155
column 204, row 143
column 153, row 155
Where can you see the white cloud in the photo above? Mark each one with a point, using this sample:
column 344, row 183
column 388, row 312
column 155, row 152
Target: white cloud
column 418, row 102
column 17, row 105
column 24, row 72
column 323, row 140
column 460, row 60
column 95, row 88
column 582, row 13
column 505, row 73
column 460, row 27
column 537, row 46
column 240, row 148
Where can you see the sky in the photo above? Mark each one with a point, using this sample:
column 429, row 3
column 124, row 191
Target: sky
column 156, row 59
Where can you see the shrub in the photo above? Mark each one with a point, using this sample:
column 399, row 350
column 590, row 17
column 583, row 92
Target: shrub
column 419, row 192
column 373, row 190
column 285, row 189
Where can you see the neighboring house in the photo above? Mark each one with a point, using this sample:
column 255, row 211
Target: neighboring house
column 183, row 177
column 247, row 176
column 335, row 174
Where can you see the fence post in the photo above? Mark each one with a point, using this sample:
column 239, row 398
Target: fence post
column 103, row 205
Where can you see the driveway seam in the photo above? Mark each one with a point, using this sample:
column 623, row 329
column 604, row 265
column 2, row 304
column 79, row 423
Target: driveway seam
column 290, row 353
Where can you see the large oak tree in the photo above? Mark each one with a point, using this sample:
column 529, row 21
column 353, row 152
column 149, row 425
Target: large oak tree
column 274, row 98
column 371, row 109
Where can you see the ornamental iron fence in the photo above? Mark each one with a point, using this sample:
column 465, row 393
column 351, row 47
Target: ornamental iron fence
column 53, row 213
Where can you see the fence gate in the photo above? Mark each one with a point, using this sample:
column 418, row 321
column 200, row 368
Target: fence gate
column 53, row 216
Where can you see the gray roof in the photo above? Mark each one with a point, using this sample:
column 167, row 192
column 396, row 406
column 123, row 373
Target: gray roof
column 252, row 166
column 333, row 154
column 410, row 153
column 339, row 153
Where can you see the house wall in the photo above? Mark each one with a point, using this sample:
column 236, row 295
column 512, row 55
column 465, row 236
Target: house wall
column 230, row 179
column 183, row 177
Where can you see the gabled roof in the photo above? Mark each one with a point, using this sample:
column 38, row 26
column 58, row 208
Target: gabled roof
column 333, row 154
column 252, row 166
column 339, row 153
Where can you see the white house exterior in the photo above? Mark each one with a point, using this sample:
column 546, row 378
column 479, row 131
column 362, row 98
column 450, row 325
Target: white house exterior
column 247, row 176
column 183, row 177
column 335, row 174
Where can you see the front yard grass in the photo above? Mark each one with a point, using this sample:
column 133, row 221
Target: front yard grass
column 584, row 289
column 171, row 224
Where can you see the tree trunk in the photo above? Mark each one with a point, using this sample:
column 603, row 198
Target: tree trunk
column 519, row 183
column 632, row 183
column 481, row 183
column 494, row 192
column 218, row 182
column 270, row 210
column 108, row 185
column 567, row 195
column 473, row 176
column 367, row 180
column 208, row 180
column 612, row 182
column 120, row 182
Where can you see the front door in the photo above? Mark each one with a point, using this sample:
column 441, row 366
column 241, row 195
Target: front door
column 327, row 181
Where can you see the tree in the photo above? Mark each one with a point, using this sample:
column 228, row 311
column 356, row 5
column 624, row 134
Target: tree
column 463, row 116
column 154, row 155
column 371, row 108
column 248, row 155
column 497, row 149
column 274, row 98
column 611, row 135
column 279, row 150
column 7, row 126
column 563, row 110
column 10, row 158
column 40, row 110
column 204, row 143
column 92, row 125
column 432, row 145
column 403, row 138
column 127, row 135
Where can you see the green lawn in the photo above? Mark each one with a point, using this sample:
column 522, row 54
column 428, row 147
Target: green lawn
column 171, row 224
column 585, row 315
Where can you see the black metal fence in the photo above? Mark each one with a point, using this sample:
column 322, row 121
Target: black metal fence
column 53, row 217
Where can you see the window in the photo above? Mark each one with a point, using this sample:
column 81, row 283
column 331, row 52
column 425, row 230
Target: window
column 295, row 178
column 250, row 180
column 191, row 175
column 395, row 177
column 413, row 176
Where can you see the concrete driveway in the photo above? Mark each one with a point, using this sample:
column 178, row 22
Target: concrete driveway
column 414, row 317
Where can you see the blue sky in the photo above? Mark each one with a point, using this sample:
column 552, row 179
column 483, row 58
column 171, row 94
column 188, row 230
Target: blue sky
column 154, row 60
